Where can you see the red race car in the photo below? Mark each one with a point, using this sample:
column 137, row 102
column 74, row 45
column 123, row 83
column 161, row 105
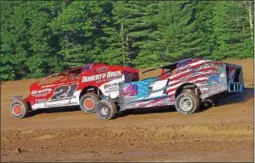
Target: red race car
column 83, row 87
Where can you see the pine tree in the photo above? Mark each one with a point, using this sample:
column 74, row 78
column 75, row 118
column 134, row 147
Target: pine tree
column 178, row 38
column 79, row 30
column 130, row 32
column 231, row 32
column 6, row 62
column 39, row 38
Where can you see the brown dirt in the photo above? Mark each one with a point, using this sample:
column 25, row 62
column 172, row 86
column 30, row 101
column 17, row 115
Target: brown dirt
column 222, row 133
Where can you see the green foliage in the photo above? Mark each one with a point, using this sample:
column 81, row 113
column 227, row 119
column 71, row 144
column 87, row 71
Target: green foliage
column 231, row 31
column 43, row 37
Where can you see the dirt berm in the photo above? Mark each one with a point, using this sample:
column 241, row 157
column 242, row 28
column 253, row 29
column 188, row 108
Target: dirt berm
column 222, row 133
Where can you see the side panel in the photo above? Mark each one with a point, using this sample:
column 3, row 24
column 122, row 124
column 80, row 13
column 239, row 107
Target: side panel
column 216, row 83
column 209, row 76
column 55, row 95
column 146, row 93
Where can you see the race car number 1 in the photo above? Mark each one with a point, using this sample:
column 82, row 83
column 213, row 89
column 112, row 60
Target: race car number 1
column 64, row 92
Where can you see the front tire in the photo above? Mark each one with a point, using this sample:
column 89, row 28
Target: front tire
column 106, row 109
column 19, row 109
column 187, row 103
column 88, row 102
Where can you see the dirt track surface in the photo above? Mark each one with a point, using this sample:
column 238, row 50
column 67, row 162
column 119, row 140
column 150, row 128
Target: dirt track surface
column 221, row 133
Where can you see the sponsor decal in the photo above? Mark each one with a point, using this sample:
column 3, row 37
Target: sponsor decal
column 47, row 86
column 111, row 87
column 213, row 79
column 130, row 90
column 108, row 75
column 100, row 70
column 43, row 91
column 40, row 100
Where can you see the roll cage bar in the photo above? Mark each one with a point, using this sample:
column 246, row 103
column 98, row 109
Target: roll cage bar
column 170, row 66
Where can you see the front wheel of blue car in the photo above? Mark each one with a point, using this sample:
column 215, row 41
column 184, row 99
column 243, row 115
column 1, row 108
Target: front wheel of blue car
column 187, row 103
column 106, row 109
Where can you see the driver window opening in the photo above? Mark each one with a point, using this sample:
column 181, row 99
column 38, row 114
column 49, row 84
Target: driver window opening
column 52, row 78
column 74, row 75
column 61, row 77
column 157, row 72
column 143, row 74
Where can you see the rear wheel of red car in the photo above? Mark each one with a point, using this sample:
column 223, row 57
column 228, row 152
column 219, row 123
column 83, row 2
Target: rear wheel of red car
column 187, row 103
column 88, row 102
column 106, row 109
column 19, row 109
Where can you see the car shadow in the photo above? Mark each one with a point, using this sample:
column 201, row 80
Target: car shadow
column 53, row 110
column 231, row 99
column 151, row 110
column 241, row 97
column 244, row 96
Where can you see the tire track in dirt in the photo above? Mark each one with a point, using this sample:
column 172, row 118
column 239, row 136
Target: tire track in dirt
column 178, row 138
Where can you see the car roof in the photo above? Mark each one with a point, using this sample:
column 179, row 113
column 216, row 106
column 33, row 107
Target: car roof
column 171, row 65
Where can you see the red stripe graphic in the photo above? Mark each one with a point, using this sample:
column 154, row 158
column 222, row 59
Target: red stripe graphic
column 193, row 66
column 189, row 78
column 180, row 76
column 170, row 91
column 208, row 69
column 198, row 76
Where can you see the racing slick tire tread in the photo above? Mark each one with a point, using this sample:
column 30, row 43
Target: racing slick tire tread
column 24, row 108
column 195, row 102
column 92, row 96
column 110, row 106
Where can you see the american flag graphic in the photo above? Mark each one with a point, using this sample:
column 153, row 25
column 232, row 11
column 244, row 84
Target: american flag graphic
column 197, row 71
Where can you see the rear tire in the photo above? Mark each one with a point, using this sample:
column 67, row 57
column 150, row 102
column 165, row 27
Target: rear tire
column 106, row 109
column 19, row 109
column 88, row 102
column 187, row 103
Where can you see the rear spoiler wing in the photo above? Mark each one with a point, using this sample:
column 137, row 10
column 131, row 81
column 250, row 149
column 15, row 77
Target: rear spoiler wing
column 235, row 65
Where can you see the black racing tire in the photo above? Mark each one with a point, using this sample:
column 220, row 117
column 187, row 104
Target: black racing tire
column 106, row 109
column 19, row 109
column 88, row 102
column 187, row 103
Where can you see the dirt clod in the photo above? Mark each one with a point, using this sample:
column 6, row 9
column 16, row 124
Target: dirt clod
column 17, row 151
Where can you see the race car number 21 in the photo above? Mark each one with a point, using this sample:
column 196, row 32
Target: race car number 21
column 64, row 92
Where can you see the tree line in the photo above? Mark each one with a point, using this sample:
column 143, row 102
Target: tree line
column 42, row 37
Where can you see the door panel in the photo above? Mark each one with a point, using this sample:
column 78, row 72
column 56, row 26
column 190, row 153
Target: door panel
column 147, row 89
column 63, row 95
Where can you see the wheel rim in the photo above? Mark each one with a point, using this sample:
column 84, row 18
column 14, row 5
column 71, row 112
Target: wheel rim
column 186, row 104
column 104, row 111
column 89, row 103
column 17, row 109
